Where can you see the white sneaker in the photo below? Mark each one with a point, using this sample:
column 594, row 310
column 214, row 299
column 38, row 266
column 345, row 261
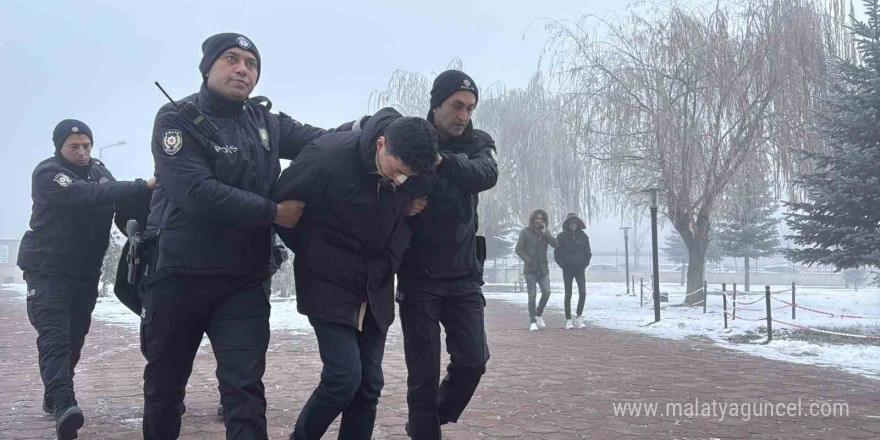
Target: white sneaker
column 533, row 327
column 568, row 324
column 541, row 322
column 580, row 323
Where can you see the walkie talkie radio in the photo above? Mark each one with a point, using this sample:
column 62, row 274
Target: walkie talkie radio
column 192, row 114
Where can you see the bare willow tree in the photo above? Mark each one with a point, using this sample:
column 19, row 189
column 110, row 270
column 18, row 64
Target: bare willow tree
column 408, row 92
column 538, row 151
column 678, row 97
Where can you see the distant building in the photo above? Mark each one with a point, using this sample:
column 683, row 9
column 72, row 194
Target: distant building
column 9, row 271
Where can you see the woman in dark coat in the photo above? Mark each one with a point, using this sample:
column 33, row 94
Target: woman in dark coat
column 573, row 256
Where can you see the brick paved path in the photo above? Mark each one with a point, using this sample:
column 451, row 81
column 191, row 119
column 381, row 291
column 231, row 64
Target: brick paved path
column 550, row 385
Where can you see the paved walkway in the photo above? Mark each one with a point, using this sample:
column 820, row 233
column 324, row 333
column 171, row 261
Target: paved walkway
column 548, row 385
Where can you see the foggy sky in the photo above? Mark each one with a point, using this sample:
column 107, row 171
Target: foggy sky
column 96, row 61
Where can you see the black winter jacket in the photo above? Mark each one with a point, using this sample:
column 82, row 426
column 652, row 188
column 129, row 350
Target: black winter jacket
column 211, row 210
column 573, row 252
column 445, row 243
column 351, row 237
column 72, row 213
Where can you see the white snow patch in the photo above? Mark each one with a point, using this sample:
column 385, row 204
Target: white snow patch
column 283, row 317
column 16, row 287
column 608, row 306
column 109, row 310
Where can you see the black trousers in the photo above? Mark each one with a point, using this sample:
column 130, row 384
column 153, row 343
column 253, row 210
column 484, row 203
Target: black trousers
column 461, row 313
column 351, row 381
column 178, row 311
column 60, row 309
column 576, row 275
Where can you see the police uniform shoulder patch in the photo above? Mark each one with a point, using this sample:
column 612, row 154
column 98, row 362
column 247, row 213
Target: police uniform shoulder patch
column 264, row 138
column 172, row 142
column 103, row 179
column 63, row 180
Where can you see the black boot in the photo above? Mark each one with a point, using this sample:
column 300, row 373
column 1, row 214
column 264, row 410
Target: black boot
column 68, row 419
column 49, row 407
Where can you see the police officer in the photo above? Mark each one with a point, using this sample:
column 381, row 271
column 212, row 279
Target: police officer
column 440, row 278
column 348, row 246
column 212, row 223
column 61, row 255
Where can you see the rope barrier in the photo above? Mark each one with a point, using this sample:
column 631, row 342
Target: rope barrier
column 748, row 309
column 695, row 291
column 748, row 319
column 752, row 302
column 838, row 315
column 851, row 335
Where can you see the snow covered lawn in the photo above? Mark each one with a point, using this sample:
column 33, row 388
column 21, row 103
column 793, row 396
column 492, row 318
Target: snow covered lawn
column 110, row 311
column 284, row 316
column 608, row 306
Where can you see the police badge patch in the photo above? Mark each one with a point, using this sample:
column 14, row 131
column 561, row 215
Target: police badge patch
column 264, row 138
column 467, row 85
column 63, row 180
column 172, row 142
column 243, row 42
column 103, row 180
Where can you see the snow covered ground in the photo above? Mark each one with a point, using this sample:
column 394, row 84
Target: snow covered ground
column 109, row 310
column 284, row 316
column 608, row 306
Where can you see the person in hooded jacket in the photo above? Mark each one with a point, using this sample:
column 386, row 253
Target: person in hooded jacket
column 74, row 200
column 439, row 280
column 348, row 245
column 531, row 247
column 573, row 256
column 211, row 221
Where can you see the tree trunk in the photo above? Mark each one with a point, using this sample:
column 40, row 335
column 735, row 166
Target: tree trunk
column 683, row 272
column 696, row 271
column 747, row 274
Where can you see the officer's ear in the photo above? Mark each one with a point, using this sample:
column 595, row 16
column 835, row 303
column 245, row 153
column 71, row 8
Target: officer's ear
column 380, row 144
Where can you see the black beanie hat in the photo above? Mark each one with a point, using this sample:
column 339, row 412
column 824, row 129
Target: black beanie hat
column 215, row 45
column 68, row 127
column 446, row 84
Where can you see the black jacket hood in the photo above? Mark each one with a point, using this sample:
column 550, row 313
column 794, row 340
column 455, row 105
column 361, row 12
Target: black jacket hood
column 573, row 217
column 372, row 129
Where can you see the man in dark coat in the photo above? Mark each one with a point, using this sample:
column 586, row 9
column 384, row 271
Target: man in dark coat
column 211, row 220
column 440, row 277
column 348, row 245
column 61, row 255
column 531, row 247
column 573, row 256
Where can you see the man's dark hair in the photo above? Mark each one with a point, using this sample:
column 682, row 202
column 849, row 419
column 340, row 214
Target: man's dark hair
column 414, row 141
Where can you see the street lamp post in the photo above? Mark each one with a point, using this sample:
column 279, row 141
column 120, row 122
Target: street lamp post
column 626, row 255
column 653, row 194
column 101, row 150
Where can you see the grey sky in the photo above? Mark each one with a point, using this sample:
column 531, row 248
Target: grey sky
column 97, row 60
